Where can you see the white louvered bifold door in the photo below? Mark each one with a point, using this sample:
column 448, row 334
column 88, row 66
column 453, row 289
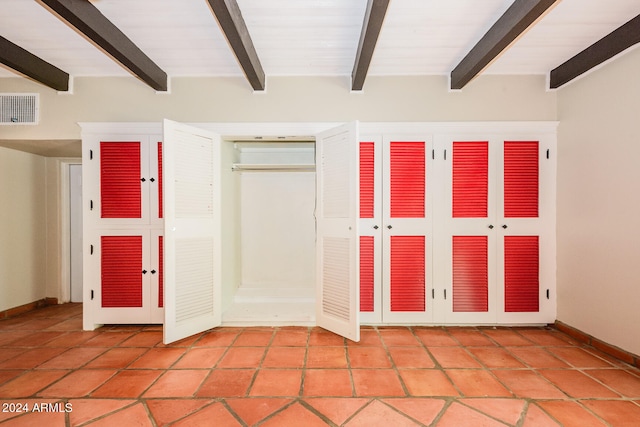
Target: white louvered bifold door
column 337, row 244
column 192, row 248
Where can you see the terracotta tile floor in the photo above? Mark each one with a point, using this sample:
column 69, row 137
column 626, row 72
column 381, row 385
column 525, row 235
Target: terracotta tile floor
column 125, row 376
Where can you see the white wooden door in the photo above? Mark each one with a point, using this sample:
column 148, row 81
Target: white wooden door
column 119, row 264
column 407, row 223
column 370, row 229
column 526, row 229
column 192, row 246
column 75, row 231
column 469, row 233
column 337, row 244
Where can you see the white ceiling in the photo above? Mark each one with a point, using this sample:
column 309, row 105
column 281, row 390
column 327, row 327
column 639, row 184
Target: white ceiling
column 313, row 37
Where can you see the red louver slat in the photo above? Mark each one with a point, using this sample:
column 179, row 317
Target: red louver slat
column 366, row 273
column 470, row 179
column 121, row 271
column 160, row 207
column 120, row 187
column 470, row 274
column 407, row 175
column 367, row 165
column 160, row 272
column 521, row 274
column 407, row 273
column 521, row 179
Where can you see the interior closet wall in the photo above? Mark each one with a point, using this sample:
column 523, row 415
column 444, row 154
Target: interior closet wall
column 277, row 230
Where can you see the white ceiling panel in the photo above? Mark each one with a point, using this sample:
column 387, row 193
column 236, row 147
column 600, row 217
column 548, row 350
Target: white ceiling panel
column 313, row 37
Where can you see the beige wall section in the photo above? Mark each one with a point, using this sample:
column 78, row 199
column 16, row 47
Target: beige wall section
column 287, row 99
column 22, row 228
column 598, row 203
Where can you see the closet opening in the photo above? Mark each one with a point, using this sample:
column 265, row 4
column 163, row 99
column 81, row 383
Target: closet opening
column 268, row 230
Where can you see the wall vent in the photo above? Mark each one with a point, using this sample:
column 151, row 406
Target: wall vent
column 19, row 108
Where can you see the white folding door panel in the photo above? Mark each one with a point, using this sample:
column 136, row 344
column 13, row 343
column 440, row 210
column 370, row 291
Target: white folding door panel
column 370, row 229
column 469, row 234
column 407, row 229
column 337, row 244
column 192, row 245
column 526, row 231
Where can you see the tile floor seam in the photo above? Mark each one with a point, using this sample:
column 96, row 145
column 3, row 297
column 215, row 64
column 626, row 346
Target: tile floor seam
column 400, row 412
column 393, row 364
column 313, row 410
column 358, row 411
column 230, row 410
column 462, row 402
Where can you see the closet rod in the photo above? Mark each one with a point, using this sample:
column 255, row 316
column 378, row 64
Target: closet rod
column 274, row 168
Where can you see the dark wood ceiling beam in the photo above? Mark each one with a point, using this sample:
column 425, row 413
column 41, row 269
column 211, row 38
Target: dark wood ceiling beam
column 604, row 49
column 88, row 20
column 371, row 27
column 24, row 62
column 235, row 30
column 515, row 21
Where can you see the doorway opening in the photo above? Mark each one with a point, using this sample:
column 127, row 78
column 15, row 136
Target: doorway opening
column 269, row 231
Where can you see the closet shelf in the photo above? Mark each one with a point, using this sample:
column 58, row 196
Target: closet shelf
column 273, row 167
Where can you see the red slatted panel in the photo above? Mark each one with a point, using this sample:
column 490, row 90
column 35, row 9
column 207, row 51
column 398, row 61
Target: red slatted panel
column 521, row 280
column 120, row 185
column 160, row 272
column 407, row 169
column 470, row 179
column 367, row 165
column 366, row 273
column 408, row 273
column 121, row 271
column 470, row 274
column 521, row 179
column 160, row 208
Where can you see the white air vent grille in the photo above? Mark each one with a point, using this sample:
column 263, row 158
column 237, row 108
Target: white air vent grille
column 19, row 108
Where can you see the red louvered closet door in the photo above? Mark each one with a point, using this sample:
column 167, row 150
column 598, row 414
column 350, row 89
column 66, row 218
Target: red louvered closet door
column 370, row 230
column 468, row 294
column 495, row 235
column 125, row 225
column 406, row 229
column 123, row 264
column 120, row 180
column 521, row 231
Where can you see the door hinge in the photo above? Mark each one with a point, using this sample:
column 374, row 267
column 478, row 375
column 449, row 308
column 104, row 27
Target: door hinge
column 92, row 294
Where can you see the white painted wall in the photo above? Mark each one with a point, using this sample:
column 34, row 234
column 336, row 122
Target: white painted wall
column 23, row 214
column 598, row 210
column 287, row 99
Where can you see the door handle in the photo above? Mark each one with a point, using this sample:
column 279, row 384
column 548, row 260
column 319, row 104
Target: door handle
column 491, row 226
column 375, row 227
column 389, row 227
column 504, row 226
